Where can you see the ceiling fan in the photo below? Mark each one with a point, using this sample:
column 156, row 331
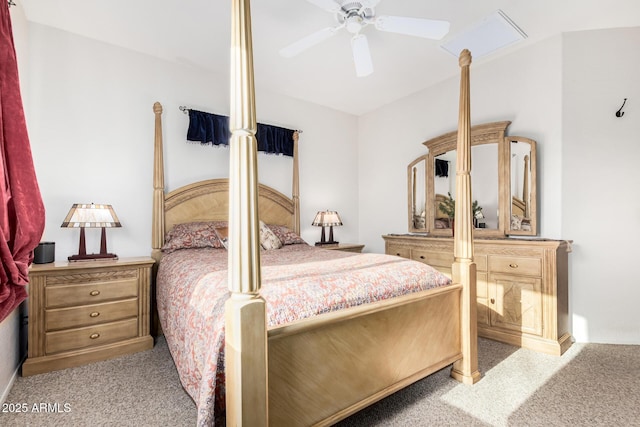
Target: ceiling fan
column 356, row 15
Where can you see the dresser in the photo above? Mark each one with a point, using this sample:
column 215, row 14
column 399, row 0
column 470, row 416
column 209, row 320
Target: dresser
column 522, row 286
column 83, row 312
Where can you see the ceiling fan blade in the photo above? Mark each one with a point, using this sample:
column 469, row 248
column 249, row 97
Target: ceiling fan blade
column 361, row 55
column 419, row 27
column 306, row 42
column 328, row 5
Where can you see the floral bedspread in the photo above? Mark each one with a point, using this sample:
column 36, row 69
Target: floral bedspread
column 298, row 281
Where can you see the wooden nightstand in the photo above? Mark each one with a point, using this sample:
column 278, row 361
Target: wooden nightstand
column 345, row 247
column 83, row 312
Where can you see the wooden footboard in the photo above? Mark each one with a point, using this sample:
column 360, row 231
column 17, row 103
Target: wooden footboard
column 325, row 369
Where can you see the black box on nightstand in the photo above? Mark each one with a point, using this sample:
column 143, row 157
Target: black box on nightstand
column 44, row 253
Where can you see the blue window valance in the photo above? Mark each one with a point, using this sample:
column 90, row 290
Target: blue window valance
column 442, row 168
column 208, row 128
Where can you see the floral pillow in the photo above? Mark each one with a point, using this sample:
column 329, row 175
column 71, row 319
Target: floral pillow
column 193, row 235
column 268, row 239
column 285, row 235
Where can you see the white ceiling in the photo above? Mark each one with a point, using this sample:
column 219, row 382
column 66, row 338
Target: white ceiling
column 197, row 32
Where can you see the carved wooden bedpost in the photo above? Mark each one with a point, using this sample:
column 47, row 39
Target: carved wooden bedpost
column 464, row 269
column 295, row 192
column 157, row 220
column 525, row 188
column 246, row 333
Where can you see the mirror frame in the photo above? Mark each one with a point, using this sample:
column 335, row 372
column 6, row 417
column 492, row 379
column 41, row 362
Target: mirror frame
column 487, row 133
column 411, row 190
column 531, row 183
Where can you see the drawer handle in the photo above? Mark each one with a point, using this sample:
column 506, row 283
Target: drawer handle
column 421, row 256
column 493, row 301
column 94, row 314
column 397, row 254
column 513, row 265
column 94, row 293
column 94, row 336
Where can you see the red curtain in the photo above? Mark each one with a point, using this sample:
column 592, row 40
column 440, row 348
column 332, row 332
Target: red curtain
column 21, row 207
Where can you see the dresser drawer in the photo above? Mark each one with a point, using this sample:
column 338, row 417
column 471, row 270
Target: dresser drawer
column 515, row 265
column 90, row 293
column 90, row 336
column 399, row 251
column 434, row 259
column 73, row 317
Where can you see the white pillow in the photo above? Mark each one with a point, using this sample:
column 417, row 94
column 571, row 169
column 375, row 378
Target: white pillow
column 268, row 240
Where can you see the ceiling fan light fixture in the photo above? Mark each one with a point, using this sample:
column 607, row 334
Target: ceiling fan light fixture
column 354, row 16
column 354, row 23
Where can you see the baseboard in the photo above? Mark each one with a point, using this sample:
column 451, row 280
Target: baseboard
column 7, row 387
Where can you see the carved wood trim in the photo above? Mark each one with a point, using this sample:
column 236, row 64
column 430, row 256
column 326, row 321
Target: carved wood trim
column 480, row 134
column 102, row 276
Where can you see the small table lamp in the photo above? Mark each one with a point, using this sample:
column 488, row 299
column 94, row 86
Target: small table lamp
column 327, row 219
column 91, row 216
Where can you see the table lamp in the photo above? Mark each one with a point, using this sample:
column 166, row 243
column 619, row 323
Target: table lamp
column 91, row 216
column 327, row 219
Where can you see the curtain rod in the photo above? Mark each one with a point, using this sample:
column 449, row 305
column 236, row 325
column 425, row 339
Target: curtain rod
column 186, row 110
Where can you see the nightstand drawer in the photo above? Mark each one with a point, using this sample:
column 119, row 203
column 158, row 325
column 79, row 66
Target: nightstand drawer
column 73, row 317
column 524, row 266
column 90, row 336
column 90, row 293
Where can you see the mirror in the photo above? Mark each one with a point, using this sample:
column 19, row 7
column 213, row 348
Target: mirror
column 503, row 185
column 484, row 179
column 417, row 179
column 523, row 186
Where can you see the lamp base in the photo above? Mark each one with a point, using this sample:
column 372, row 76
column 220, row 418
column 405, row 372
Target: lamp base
column 93, row 257
column 331, row 243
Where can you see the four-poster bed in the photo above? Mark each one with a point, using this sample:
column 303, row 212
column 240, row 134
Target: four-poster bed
column 319, row 369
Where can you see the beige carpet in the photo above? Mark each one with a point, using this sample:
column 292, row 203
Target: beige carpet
column 590, row 385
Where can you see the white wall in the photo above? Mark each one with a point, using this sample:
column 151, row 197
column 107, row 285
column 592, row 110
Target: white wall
column 92, row 128
column 601, row 210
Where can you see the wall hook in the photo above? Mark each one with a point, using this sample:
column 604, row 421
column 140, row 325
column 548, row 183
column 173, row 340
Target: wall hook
column 620, row 113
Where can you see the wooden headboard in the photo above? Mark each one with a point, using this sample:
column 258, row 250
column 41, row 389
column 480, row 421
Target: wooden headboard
column 209, row 201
